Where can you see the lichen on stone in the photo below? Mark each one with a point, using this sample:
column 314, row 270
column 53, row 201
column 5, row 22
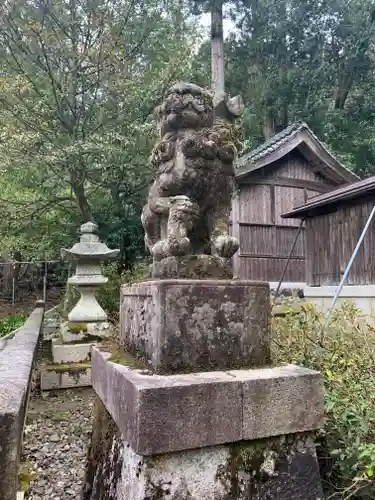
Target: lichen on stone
column 251, row 461
column 77, row 327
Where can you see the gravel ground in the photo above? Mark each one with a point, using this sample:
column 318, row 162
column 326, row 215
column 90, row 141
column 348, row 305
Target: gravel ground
column 55, row 447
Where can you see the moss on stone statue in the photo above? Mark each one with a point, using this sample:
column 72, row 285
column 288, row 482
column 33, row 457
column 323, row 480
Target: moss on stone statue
column 253, row 464
column 77, row 327
column 86, row 339
column 255, row 459
column 68, row 367
column 122, row 357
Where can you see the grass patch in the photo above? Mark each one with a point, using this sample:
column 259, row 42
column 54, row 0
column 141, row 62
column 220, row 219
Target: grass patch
column 10, row 323
column 60, row 416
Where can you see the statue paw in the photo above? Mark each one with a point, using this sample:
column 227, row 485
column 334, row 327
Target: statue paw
column 170, row 247
column 226, row 246
column 179, row 247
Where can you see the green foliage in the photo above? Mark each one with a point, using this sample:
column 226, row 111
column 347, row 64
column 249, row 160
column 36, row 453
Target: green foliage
column 109, row 294
column 303, row 59
column 345, row 354
column 11, row 323
column 78, row 84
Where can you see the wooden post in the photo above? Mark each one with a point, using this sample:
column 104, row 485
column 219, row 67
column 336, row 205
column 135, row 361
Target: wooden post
column 236, row 260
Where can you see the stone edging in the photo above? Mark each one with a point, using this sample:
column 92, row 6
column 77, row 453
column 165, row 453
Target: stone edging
column 16, row 366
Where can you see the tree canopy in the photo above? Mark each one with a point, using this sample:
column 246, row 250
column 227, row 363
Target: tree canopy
column 79, row 80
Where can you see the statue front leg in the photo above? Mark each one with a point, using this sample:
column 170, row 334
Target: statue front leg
column 181, row 218
column 222, row 243
column 151, row 224
column 154, row 215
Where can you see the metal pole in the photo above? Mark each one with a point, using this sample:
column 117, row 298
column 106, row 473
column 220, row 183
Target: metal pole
column 13, row 290
column 345, row 275
column 289, row 257
column 45, row 281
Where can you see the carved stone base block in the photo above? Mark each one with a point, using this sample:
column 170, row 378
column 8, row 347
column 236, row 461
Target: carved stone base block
column 192, row 267
column 196, row 325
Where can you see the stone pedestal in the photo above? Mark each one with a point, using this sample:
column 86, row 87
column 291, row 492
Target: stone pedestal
column 196, row 325
column 198, row 413
column 237, row 434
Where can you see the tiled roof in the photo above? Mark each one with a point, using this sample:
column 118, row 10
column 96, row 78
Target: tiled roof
column 270, row 145
column 258, row 157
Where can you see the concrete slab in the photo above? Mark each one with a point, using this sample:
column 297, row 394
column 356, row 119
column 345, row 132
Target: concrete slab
column 64, row 376
column 70, row 353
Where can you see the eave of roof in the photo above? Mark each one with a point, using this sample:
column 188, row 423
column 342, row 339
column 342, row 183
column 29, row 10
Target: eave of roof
column 325, row 202
column 297, row 135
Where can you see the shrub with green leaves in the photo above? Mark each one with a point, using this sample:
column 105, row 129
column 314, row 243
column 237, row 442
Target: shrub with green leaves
column 10, row 323
column 345, row 354
column 109, row 294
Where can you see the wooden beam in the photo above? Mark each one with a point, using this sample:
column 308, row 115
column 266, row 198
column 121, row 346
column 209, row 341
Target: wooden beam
column 266, row 224
column 288, row 182
column 272, row 257
column 273, row 204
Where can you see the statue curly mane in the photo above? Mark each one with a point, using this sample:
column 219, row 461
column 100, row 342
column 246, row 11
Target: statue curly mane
column 190, row 200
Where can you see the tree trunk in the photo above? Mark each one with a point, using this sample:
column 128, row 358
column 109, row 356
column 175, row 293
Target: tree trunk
column 82, row 203
column 217, row 51
column 179, row 18
column 269, row 125
column 342, row 92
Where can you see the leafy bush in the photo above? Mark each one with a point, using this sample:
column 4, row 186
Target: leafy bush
column 345, row 354
column 11, row 323
column 109, row 294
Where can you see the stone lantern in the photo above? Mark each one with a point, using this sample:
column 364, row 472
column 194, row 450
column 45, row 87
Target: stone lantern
column 89, row 253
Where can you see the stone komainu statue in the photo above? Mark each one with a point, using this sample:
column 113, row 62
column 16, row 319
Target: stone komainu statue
column 189, row 203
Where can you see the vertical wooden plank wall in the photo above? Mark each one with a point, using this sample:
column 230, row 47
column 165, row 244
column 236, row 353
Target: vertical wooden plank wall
column 331, row 239
column 265, row 237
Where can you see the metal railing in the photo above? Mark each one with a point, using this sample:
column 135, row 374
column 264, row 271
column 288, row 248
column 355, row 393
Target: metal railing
column 27, row 281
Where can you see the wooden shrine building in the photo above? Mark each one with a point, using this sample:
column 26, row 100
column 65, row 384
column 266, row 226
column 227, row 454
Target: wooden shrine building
column 333, row 223
column 282, row 173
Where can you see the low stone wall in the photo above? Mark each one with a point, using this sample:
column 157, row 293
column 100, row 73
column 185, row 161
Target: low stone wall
column 363, row 296
column 17, row 361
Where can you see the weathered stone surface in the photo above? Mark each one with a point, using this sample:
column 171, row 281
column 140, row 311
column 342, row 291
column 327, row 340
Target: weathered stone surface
column 105, row 458
column 157, row 414
column 65, row 376
column 281, row 400
column 70, row 353
column 196, row 325
column 16, row 365
column 277, row 469
column 168, row 413
column 193, row 267
column 87, row 332
column 282, row 468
